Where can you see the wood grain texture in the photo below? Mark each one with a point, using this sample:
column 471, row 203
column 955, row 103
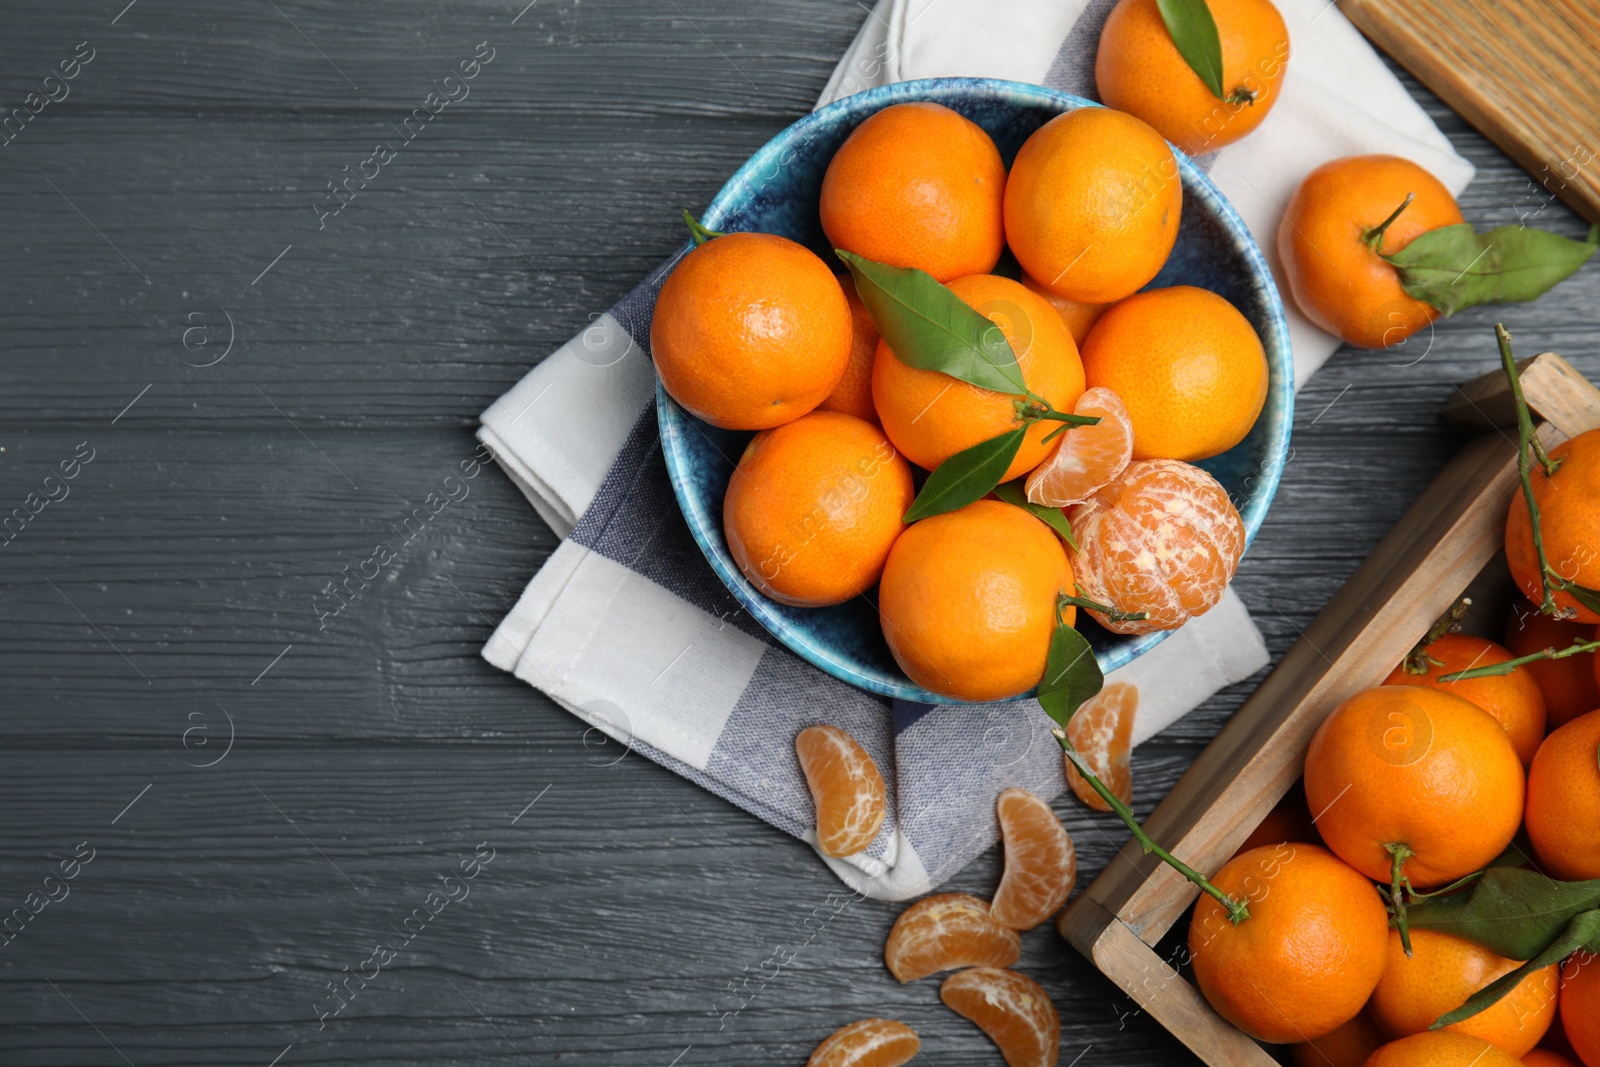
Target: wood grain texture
column 629, row 915
column 1522, row 71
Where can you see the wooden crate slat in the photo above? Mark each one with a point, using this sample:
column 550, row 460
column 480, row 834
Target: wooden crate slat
column 1521, row 71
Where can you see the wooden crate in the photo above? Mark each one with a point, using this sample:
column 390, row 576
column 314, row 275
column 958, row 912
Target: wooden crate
column 1416, row 573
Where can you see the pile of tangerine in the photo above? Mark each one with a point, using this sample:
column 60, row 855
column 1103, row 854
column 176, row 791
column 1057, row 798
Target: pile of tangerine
column 753, row 331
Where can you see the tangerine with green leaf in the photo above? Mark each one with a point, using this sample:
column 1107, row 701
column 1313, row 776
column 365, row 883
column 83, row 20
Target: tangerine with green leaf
column 930, row 416
column 1139, row 69
column 1441, row 973
column 1569, row 524
column 1344, row 217
column 968, row 600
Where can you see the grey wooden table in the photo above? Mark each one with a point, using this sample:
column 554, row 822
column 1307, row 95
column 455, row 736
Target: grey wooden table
column 161, row 603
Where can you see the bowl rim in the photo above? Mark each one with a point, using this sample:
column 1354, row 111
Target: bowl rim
column 675, row 423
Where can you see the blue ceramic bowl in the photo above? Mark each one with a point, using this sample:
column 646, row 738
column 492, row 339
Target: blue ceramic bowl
column 777, row 192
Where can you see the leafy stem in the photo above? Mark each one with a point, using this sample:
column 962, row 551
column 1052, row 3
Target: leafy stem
column 1399, row 887
column 1527, row 440
column 1374, row 236
column 1238, row 910
column 1494, row 670
column 1418, row 661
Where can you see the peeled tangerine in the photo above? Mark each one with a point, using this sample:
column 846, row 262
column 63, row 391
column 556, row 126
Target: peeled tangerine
column 1041, row 863
column 846, row 787
column 1101, row 732
column 1012, row 1009
column 1162, row 538
column 867, row 1043
column 944, row 931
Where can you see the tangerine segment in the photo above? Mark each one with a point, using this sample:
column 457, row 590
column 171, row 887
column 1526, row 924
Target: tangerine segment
column 1041, row 862
column 1580, row 1005
column 845, row 786
column 1101, row 731
column 1011, row 1009
column 917, row 185
column 931, row 416
column 750, row 331
column 1161, row 538
column 1441, row 973
column 867, row 1043
column 1441, row 1048
column 944, row 931
column 814, row 507
column 1406, row 765
column 1309, row 954
column 1569, row 525
column 1514, row 699
column 1569, row 685
column 1086, row 458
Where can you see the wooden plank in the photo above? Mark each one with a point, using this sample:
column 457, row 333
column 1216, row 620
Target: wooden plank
column 1554, row 389
column 1522, row 71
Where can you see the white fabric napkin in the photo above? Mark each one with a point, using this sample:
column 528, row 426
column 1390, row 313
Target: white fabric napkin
column 627, row 626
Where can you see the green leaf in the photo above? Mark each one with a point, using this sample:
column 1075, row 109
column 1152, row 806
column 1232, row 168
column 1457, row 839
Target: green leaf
column 1454, row 267
column 1589, row 598
column 966, row 476
column 1012, row 493
column 1071, row 675
column 1581, row 934
column 1511, row 911
column 1194, row 31
column 930, row 327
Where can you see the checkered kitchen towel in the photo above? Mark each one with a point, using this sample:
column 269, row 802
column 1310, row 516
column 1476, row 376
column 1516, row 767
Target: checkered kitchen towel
column 627, row 627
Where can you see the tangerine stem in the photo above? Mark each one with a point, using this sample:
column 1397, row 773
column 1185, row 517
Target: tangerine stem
column 1525, row 436
column 700, row 233
column 1238, row 910
column 1398, row 854
column 1374, row 236
column 1114, row 614
column 1418, row 661
column 1494, row 670
column 1242, row 95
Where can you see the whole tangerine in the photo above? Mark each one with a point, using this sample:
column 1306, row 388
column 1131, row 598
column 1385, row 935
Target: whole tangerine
column 931, row 416
column 1569, row 525
column 1092, row 204
column 1306, row 958
column 1513, row 699
column 1190, row 368
column 1417, row 772
column 853, row 394
column 1329, row 243
column 1563, row 815
column 968, row 600
column 917, row 185
column 751, row 330
column 813, row 507
column 1138, row 69
column 1441, row 973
